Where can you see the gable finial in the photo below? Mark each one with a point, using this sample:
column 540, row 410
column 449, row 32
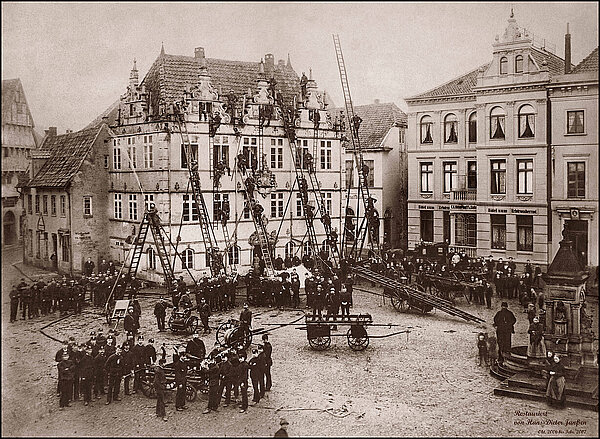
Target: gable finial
column 162, row 48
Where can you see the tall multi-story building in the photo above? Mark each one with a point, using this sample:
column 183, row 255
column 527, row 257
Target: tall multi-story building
column 147, row 163
column 65, row 200
column 18, row 139
column 573, row 173
column 382, row 134
column 478, row 155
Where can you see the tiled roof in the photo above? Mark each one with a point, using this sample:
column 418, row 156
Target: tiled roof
column 68, row 152
column 589, row 64
column 169, row 75
column 462, row 85
column 377, row 119
column 556, row 65
column 10, row 87
column 22, row 179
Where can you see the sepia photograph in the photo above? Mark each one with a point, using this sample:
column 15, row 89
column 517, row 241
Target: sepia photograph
column 300, row 219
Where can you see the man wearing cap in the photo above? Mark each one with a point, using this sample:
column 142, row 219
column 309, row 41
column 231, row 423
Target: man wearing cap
column 196, row 350
column 204, row 311
column 130, row 323
column 150, row 352
column 99, row 362
column 245, row 320
column 180, row 367
column 139, row 358
column 114, row 368
column 504, row 322
column 160, row 311
column 160, row 385
column 282, row 432
column 268, row 350
column 256, row 375
column 128, row 367
column 86, row 375
column 65, row 380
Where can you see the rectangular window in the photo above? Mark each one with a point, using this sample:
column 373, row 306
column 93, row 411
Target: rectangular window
column 446, row 225
column 148, row 201
column 87, row 205
column 117, row 158
column 465, row 229
column 45, row 204
column 118, row 206
column 327, row 196
column 250, row 150
column 106, row 162
column 301, row 150
column 498, row 231
column 221, row 151
column 575, row 122
column 53, row 205
column 349, row 174
column 427, row 225
column 30, row 204
column 193, row 151
column 38, row 236
column 277, row 205
column 276, row 153
column 473, row 129
column 427, row 177
column 575, row 179
column 131, row 157
column 471, row 175
column 325, row 154
column 148, row 155
column 450, row 175
column 525, row 176
column 299, row 211
column 524, row 233
column 401, row 136
column 498, row 176
column 63, row 205
column 371, row 177
column 218, row 205
column 133, row 207
column 65, row 243
column 246, row 212
column 37, row 204
column 189, row 206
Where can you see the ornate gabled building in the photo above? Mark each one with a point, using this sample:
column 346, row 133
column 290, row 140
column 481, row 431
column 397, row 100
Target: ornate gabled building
column 382, row 133
column 225, row 115
column 478, row 155
column 18, row 140
column 574, row 157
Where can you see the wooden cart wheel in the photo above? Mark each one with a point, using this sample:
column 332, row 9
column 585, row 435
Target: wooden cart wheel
column 320, row 343
column 222, row 330
column 190, row 393
column 192, row 324
column 358, row 339
column 148, row 386
column 171, row 324
column 400, row 304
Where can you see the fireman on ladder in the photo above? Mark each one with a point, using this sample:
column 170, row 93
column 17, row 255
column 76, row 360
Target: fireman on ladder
column 242, row 163
column 308, row 161
column 225, row 212
column 356, row 121
column 219, row 172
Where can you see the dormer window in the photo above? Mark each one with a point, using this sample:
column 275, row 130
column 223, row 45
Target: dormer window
column 497, row 120
column 426, row 127
column 503, row 65
column 526, row 122
column 451, row 128
column 519, row 64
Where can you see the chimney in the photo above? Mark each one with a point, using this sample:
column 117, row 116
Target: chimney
column 269, row 64
column 51, row 131
column 376, row 101
column 567, row 51
column 68, row 131
column 199, row 52
column 280, row 64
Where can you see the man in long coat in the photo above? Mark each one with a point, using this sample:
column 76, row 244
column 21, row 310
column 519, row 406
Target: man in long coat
column 504, row 322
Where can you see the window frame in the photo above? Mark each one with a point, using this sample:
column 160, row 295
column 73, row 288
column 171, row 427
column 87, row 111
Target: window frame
column 132, row 204
column 499, row 226
column 116, row 158
column 277, row 205
column 30, row 204
column 325, row 154
column 527, row 229
column 183, row 158
column 150, row 258
column 531, row 113
column 472, row 123
column 499, row 171
column 187, row 259
column 426, row 222
column 276, row 153
column 87, row 210
column 583, row 124
column 465, row 229
column 148, row 198
column 148, row 155
column 519, row 58
column 429, row 174
column 118, row 205
column 498, row 118
column 189, row 209
column 577, row 186
column 233, row 255
column 426, row 122
column 221, row 150
column 451, row 120
column 527, row 174
column 503, row 68
column 471, row 175
column 63, row 205
column 452, row 182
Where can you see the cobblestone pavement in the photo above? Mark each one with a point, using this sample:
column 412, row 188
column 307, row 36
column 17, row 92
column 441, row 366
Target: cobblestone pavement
column 424, row 384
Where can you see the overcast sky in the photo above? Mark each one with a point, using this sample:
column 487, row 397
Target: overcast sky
column 74, row 58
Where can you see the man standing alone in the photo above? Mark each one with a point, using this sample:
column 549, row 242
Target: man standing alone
column 504, row 322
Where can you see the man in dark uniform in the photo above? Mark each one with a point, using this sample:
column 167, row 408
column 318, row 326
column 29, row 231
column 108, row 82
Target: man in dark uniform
column 86, row 375
column 196, row 350
column 99, row 361
column 139, row 359
column 160, row 311
column 15, row 296
column 160, row 385
column 204, row 311
column 213, row 386
column 295, row 287
column 256, row 374
column 245, row 320
column 150, row 353
column 65, row 380
column 128, row 367
column 504, row 322
column 130, row 323
column 242, row 375
column 114, row 368
column 180, row 366
column 25, row 300
column 88, row 267
column 268, row 351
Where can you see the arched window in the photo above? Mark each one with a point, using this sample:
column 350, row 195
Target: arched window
column 497, row 119
column 519, row 64
column 233, row 255
column 426, row 129
column 451, row 128
column 526, row 122
column 151, row 255
column 503, row 65
column 306, row 248
column 473, row 127
column 187, row 259
column 289, row 249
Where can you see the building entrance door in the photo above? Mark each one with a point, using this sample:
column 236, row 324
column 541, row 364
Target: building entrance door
column 10, row 230
column 577, row 232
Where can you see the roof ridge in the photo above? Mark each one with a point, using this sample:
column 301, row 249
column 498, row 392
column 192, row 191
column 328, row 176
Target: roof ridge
column 585, row 60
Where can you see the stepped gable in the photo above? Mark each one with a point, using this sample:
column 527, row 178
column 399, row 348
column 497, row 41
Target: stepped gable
column 67, row 153
column 170, row 74
column 377, row 119
column 589, row 64
column 463, row 85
